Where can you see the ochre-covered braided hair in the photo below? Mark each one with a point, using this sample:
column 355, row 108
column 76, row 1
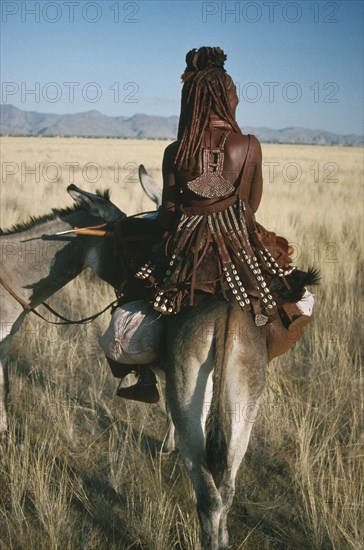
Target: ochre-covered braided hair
column 205, row 84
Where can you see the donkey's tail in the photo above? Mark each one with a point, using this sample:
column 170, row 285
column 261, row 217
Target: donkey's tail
column 218, row 425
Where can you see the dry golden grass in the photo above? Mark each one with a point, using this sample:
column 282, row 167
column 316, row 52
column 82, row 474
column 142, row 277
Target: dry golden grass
column 89, row 163
column 81, row 468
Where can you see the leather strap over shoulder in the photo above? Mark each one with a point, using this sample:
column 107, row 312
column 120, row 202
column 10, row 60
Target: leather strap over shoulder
column 221, row 145
column 247, row 163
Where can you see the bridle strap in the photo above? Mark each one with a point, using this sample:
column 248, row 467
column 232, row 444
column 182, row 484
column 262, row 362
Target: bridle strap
column 27, row 307
column 20, row 300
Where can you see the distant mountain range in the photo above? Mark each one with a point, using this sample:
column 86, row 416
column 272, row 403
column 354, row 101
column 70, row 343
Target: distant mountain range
column 15, row 121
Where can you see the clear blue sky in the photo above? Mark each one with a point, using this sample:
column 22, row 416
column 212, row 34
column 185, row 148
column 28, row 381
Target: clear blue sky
column 297, row 63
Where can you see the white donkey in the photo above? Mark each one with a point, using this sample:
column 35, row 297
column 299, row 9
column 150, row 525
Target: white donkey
column 215, row 369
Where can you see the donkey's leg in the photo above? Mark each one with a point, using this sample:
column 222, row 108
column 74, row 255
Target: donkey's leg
column 11, row 321
column 245, row 384
column 4, row 383
column 187, row 378
column 237, row 448
column 187, row 419
column 169, row 443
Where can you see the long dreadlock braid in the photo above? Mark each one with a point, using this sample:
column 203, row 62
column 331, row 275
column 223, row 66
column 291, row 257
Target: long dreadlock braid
column 204, row 91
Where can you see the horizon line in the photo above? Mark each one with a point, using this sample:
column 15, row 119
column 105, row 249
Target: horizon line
column 166, row 117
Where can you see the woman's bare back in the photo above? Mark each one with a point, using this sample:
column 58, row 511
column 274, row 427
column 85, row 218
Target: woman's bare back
column 235, row 153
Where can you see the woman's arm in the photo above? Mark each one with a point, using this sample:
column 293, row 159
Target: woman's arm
column 168, row 211
column 256, row 186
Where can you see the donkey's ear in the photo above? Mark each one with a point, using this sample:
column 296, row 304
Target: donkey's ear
column 98, row 205
column 149, row 186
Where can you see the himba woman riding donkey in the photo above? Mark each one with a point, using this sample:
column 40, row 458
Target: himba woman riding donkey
column 212, row 187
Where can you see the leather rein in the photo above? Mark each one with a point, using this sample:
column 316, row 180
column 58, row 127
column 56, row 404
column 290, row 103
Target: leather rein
column 65, row 321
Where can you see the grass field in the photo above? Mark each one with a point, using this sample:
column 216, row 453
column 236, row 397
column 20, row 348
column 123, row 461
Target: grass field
column 81, row 468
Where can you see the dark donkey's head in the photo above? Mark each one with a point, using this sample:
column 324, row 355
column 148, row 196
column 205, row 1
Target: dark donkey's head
column 98, row 205
column 121, row 256
column 103, row 260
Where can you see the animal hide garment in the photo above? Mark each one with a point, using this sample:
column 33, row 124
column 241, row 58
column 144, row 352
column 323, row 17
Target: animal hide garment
column 134, row 335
